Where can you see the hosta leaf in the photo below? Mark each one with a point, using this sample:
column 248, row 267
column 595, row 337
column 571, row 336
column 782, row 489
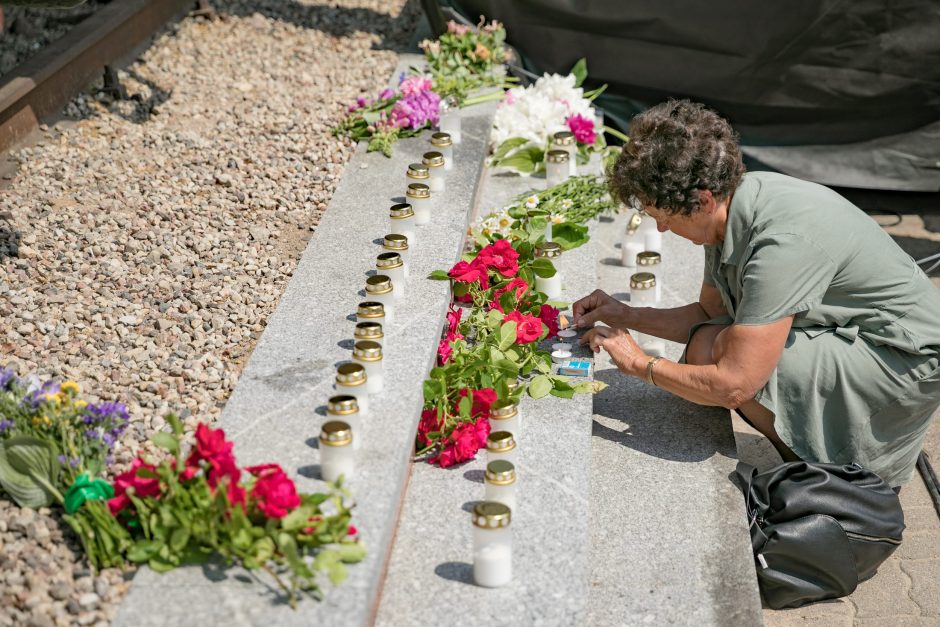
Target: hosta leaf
column 29, row 471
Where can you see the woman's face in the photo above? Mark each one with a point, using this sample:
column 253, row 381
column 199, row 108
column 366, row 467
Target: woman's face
column 704, row 226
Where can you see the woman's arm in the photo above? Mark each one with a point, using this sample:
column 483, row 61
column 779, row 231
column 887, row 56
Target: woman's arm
column 670, row 324
column 746, row 356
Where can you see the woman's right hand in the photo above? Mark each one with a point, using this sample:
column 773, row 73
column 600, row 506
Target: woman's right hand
column 599, row 306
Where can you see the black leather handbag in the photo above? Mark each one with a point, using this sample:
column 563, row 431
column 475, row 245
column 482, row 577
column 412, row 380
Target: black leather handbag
column 817, row 530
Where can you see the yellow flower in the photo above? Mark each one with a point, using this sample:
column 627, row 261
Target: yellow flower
column 41, row 420
column 81, row 404
column 71, row 387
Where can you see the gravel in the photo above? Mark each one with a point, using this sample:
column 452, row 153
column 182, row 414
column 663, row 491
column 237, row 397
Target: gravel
column 145, row 242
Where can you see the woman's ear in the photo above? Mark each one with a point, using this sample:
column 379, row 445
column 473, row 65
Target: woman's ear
column 706, row 201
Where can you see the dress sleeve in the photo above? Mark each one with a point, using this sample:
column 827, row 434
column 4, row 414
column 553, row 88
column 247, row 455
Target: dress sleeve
column 783, row 275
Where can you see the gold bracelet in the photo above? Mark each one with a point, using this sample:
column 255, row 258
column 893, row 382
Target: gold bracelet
column 649, row 369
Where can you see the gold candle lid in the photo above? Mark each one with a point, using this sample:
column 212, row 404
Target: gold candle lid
column 367, row 350
column 643, row 281
column 336, row 433
column 491, row 515
column 557, row 156
column 342, row 405
column 418, row 171
column 503, row 410
column 441, row 139
column 634, row 224
column 500, row 442
column 396, row 241
column 351, row 375
column 548, row 249
column 512, row 384
column 389, row 260
column 368, row 331
column 418, row 190
column 379, row 284
column 370, row 309
column 563, row 138
column 401, row 211
column 433, row 159
column 500, row 472
column 648, row 258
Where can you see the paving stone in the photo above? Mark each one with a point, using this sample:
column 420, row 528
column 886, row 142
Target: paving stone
column 886, row 594
column 924, row 575
column 796, row 618
column 919, row 545
column 920, row 518
column 898, row 621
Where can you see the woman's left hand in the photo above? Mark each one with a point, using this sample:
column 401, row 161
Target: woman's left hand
column 622, row 348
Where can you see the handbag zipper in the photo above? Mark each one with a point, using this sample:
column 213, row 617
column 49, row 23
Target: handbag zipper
column 861, row 536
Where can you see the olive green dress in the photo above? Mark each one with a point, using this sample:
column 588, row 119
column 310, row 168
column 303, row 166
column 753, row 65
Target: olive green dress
column 859, row 378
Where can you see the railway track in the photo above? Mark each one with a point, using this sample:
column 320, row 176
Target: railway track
column 44, row 83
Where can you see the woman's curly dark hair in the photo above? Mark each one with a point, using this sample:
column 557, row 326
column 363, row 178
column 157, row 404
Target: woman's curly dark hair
column 676, row 149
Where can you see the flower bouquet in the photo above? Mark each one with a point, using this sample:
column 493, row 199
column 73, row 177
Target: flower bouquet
column 393, row 114
column 465, row 58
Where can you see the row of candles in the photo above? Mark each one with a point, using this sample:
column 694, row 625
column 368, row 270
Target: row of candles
column 364, row 376
column 641, row 249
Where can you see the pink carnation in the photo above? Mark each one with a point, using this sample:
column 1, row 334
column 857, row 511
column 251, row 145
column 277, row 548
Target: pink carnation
column 583, row 129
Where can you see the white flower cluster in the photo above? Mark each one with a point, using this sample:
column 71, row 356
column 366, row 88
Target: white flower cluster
column 537, row 111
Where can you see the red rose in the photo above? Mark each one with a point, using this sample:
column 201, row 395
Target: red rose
column 429, row 422
column 528, row 328
column 500, row 256
column 274, row 493
column 447, row 457
column 453, row 318
column 518, row 285
column 549, row 315
column 481, row 430
column 143, row 486
column 469, row 272
column 213, row 449
column 352, row 531
column 483, row 399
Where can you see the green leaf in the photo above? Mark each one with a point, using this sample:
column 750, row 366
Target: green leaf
column 507, row 367
column 351, row 552
column 494, row 318
column 143, row 550
column 569, row 235
column 580, row 71
column 29, row 471
column 507, row 335
column 509, row 145
column 563, row 393
column 464, row 407
column 439, row 275
column 179, row 538
column 525, row 160
column 540, row 386
column 543, row 267
column 589, row 387
column 166, row 441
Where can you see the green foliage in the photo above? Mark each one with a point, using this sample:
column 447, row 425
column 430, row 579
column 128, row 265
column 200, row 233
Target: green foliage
column 29, row 471
column 466, row 59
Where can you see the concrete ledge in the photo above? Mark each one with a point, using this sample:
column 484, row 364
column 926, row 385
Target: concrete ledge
column 431, row 565
column 275, row 412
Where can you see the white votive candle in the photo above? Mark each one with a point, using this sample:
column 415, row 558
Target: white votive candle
column 336, row 451
column 419, row 196
column 345, row 407
column 371, row 331
column 351, row 381
column 402, row 221
column 652, row 262
column 642, row 290
column 631, row 243
column 556, row 167
column 565, row 140
column 380, row 288
column 560, row 356
column 500, row 483
column 504, row 416
column 434, row 161
column 550, row 286
column 369, row 355
column 501, row 445
column 398, row 243
column 391, row 265
column 652, row 238
column 443, row 144
column 449, row 122
column 567, row 334
column 370, row 311
column 417, row 173
column 492, row 544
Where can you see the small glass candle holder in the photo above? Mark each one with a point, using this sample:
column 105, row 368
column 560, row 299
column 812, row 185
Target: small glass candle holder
column 351, row 381
column 449, row 121
column 652, row 262
column 501, row 445
column 642, row 290
column 345, row 407
column 652, row 238
column 556, row 167
column 500, row 483
column 402, row 220
column 398, row 243
column 417, row 173
column 565, row 140
column 369, row 355
column 419, row 195
column 443, row 144
column 632, row 242
column 336, row 451
column 391, row 265
column 492, row 544
column 504, row 416
column 550, row 286
column 379, row 287
column 434, row 161
column 370, row 311
column 371, row 331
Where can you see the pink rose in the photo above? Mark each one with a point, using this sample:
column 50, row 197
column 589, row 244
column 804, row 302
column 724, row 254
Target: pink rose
column 528, row 328
column 274, row 493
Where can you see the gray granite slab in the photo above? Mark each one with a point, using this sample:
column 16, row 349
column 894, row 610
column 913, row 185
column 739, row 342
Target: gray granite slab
column 669, row 541
column 431, row 566
column 275, row 411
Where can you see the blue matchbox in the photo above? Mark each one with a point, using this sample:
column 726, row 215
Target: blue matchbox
column 575, row 368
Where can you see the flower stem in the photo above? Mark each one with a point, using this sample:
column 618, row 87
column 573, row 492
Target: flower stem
column 291, row 597
column 616, row 133
column 494, row 95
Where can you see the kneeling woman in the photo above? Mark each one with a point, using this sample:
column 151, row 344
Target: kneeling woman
column 811, row 322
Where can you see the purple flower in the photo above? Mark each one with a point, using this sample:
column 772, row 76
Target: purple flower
column 37, row 393
column 6, row 425
column 416, row 110
column 386, row 94
column 7, row 378
column 102, row 412
column 414, row 85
